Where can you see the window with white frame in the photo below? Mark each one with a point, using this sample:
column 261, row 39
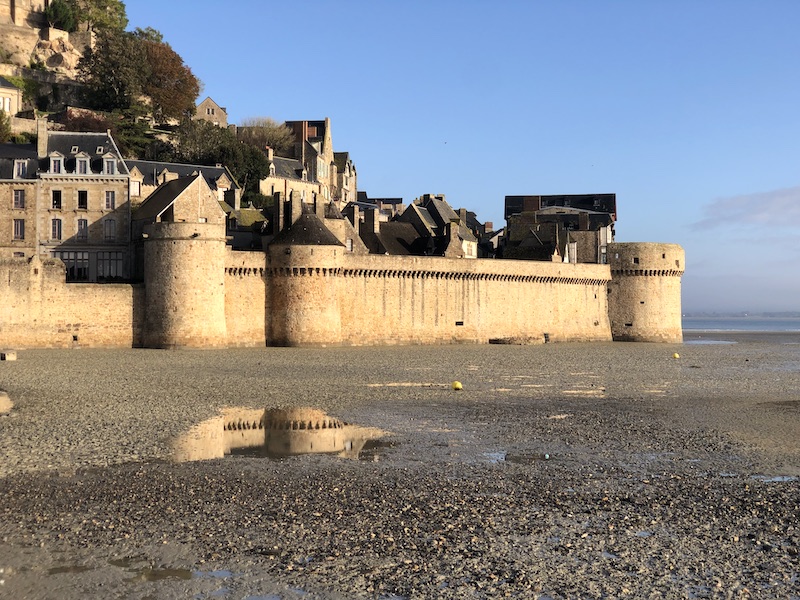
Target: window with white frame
column 111, row 200
column 110, row 230
column 19, row 229
column 83, row 166
column 83, row 229
column 56, row 203
column 111, row 166
column 136, row 188
column 20, row 169
column 19, row 198
column 56, row 164
column 55, row 229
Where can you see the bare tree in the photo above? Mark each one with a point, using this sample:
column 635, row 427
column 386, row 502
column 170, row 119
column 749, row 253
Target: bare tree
column 263, row 131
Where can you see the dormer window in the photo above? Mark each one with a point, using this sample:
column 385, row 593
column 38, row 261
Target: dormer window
column 272, row 170
column 99, row 150
column 56, row 164
column 20, row 169
column 110, row 166
column 74, row 150
column 82, row 166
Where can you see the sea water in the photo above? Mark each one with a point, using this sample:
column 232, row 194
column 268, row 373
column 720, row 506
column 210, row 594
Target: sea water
column 741, row 324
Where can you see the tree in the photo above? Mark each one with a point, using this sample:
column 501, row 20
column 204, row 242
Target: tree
column 200, row 142
column 5, row 127
column 264, row 131
column 114, row 71
column 61, row 15
column 101, row 15
column 172, row 86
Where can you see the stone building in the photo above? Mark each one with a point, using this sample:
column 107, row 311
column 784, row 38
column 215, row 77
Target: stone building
column 210, row 111
column 147, row 175
column 564, row 228
column 67, row 197
column 288, row 176
column 10, row 97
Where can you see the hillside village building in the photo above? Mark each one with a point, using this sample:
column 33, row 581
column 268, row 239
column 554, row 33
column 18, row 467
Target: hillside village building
column 318, row 278
column 67, row 197
column 211, row 112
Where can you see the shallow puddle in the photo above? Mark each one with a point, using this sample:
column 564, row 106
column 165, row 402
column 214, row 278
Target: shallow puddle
column 273, row 433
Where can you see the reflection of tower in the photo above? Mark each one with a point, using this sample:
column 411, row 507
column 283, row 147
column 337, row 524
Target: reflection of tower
column 644, row 295
column 184, row 285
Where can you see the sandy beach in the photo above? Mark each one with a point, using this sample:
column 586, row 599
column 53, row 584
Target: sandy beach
column 558, row 471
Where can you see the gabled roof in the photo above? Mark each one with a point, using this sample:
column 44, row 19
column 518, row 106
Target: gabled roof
column 398, row 238
column 288, row 168
column 308, row 230
column 161, row 199
column 151, row 169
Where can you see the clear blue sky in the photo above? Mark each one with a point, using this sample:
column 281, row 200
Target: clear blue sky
column 688, row 110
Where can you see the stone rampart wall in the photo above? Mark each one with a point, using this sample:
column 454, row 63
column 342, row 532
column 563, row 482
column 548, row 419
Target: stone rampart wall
column 39, row 310
column 245, row 298
column 426, row 300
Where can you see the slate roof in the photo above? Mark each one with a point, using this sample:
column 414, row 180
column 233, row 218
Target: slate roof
column 151, row 169
column 340, row 159
column 5, row 83
column 288, row 168
column 72, row 143
column 161, row 199
column 308, row 230
column 11, row 152
column 398, row 238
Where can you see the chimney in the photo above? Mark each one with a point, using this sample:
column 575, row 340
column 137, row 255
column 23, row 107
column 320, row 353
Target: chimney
column 295, row 206
column 319, row 205
column 278, row 210
column 41, row 137
column 462, row 215
column 372, row 221
column 270, row 153
column 454, row 249
column 488, row 226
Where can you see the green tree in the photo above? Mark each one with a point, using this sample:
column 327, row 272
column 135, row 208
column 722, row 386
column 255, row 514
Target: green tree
column 5, row 127
column 115, row 71
column 264, row 131
column 149, row 34
column 101, row 15
column 200, row 142
column 61, row 14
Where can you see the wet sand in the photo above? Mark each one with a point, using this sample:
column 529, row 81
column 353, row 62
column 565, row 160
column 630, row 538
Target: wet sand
column 560, row 470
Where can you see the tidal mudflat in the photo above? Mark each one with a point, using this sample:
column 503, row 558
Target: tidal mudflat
column 559, row 470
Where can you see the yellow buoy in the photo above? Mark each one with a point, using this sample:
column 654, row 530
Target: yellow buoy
column 676, row 355
column 457, row 385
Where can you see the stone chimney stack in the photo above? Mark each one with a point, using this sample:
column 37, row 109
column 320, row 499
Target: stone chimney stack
column 454, row 249
column 278, row 210
column 41, row 137
column 372, row 222
column 462, row 215
column 488, row 226
column 270, row 153
column 295, row 207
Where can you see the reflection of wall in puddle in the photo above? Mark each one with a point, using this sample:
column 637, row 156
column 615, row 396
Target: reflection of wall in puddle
column 278, row 432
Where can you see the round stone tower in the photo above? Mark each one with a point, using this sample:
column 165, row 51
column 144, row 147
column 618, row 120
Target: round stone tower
column 303, row 264
column 644, row 295
column 184, row 265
